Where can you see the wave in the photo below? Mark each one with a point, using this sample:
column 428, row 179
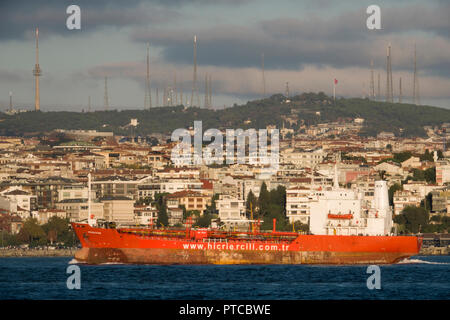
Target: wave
column 417, row 261
column 75, row 261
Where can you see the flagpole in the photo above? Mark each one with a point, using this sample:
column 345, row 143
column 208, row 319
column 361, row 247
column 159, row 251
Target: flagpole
column 334, row 90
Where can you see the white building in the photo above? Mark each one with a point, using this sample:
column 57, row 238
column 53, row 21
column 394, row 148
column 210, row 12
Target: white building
column 145, row 215
column 297, row 204
column 344, row 212
column 302, row 159
column 231, row 211
column 118, row 209
column 403, row 199
column 74, row 192
column 78, row 209
column 168, row 185
column 18, row 199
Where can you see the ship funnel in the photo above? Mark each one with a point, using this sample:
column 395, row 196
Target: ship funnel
column 381, row 197
column 336, row 180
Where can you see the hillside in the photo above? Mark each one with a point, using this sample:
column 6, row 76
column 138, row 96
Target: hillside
column 379, row 116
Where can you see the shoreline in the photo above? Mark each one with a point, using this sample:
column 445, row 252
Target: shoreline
column 7, row 253
column 435, row 251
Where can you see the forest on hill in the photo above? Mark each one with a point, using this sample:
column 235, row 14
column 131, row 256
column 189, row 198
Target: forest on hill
column 402, row 119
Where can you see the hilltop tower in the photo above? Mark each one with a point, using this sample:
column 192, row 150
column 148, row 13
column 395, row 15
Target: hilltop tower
column 10, row 101
column 263, row 76
column 148, row 93
column 210, row 92
column 389, row 85
column 372, row 83
column 379, row 87
column 194, row 80
column 37, row 72
column 416, row 95
column 175, row 93
column 106, row 99
column 206, row 92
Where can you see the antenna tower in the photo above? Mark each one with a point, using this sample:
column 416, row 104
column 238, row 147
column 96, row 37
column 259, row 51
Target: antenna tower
column 389, row 85
column 372, row 83
column 37, row 72
column 379, row 87
column 148, row 93
column 10, row 101
column 194, row 82
column 210, row 92
column 106, row 100
column 263, row 76
column 416, row 95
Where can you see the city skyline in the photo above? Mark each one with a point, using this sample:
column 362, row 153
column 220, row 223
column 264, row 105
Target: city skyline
column 301, row 44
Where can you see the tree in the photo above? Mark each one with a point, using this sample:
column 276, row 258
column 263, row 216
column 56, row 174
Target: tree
column 298, row 226
column 430, row 175
column 402, row 156
column 160, row 203
column 413, row 219
column 203, row 221
column 275, row 212
column 278, row 196
column 263, row 200
column 251, row 199
column 163, row 217
column 211, row 209
column 32, row 233
column 427, row 156
column 427, row 202
column 58, row 230
column 391, row 191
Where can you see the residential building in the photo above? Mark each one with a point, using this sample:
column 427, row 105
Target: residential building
column 231, row 211
column 118, row 209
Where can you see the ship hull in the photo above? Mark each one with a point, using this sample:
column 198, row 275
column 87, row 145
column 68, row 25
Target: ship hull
column 180, row 256
column 128, row 246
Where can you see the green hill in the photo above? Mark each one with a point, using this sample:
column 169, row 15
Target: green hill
column 402, row 119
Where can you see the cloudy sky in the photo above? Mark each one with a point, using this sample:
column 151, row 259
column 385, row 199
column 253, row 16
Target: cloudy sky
column 305, row 43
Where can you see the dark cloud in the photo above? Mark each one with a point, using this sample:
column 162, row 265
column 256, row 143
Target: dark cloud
column 19, row 18
column 341, row 41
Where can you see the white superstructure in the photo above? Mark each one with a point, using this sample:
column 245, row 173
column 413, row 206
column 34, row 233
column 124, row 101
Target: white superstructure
column 341, row 211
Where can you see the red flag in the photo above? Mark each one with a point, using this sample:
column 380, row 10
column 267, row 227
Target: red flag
column 335, row 81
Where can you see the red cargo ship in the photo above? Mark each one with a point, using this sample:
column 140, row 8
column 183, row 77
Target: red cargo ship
column 204, row 246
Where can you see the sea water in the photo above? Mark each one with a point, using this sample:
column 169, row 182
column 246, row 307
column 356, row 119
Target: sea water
column 46, row 278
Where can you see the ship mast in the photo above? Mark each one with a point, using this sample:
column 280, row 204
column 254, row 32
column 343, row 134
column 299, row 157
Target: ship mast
column 90, row 222
column 251, row 216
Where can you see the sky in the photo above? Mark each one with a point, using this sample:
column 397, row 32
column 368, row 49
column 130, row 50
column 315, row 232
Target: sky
column 305, row 43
